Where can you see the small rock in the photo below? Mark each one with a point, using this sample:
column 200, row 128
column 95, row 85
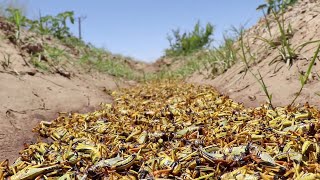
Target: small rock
column 252, row 98
column 32, row 72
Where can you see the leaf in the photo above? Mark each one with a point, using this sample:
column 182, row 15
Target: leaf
column 262, row 6
column 301, row 46
column 301, row 77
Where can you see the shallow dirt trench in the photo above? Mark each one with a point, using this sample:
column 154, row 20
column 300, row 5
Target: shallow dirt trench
column 27, row 100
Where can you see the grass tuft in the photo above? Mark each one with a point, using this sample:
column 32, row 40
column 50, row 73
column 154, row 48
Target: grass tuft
column 103, row 61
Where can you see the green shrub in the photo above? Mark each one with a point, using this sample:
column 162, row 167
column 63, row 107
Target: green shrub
column 54, row 25
column 186, row 43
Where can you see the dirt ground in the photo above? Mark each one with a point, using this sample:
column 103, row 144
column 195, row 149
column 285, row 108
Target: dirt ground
column 282, row 80
column 27, row 100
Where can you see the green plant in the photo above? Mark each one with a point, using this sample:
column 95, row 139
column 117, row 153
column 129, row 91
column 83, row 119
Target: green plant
column 103, row 61
column 244, row 58
column 287, row 52
column 276, row 5
column 15, row 16
column 304, row 78
column 190, row 67
column 50, row 57
column 226, row 54
column 115, row 68
column 244, row 50
column 73, row 42
column 188, row 42
column 262, row 7
column 41, row 25
column 59, row 24
column 38, row 63
column 54, row 52
column 55, row 25
column 264, row 87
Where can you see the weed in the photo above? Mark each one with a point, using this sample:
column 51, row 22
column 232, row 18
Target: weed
column 274, row 6
column 54, row 25
column 187, row 43
column 318, row 75
column 55, row 54
column 59, row 26
column 287, row 52
column 103, row 61
column 262, row 7
column 6, row 63
column 244, row 58
column 37, row 62
column 304, row 78
column 277, row 5
column 52, row 56
column 243, row 53
column 115, row 68
column 15, row 16
column 226, row 53
column 264, row 87
column 73, row 42
column 190, row 65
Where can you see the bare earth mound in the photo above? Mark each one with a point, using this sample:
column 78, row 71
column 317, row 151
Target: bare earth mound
column 282, row 81
column 29, row 95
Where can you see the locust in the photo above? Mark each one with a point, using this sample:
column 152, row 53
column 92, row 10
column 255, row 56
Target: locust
column 166, row 130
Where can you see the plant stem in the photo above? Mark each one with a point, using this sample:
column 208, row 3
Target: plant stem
column 305, row 77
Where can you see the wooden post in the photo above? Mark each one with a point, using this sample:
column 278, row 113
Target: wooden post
column 79, row 25
column 79, row 21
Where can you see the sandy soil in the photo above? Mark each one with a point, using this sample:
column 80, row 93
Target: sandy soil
column 282, row 81
column 29, row 95
column 27, row 100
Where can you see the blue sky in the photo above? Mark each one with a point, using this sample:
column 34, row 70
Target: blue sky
column 139, row 28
